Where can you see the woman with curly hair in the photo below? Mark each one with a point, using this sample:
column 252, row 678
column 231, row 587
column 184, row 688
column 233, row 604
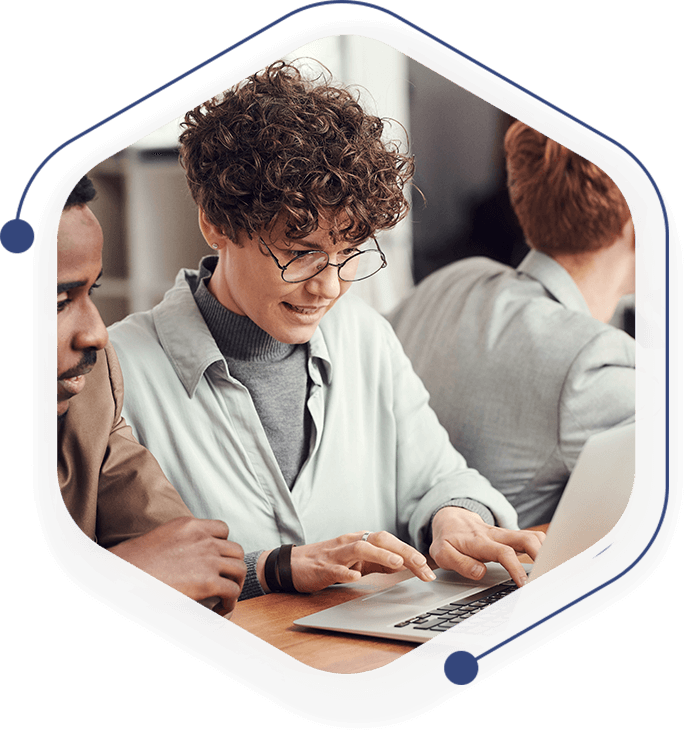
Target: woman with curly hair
column 272, row 401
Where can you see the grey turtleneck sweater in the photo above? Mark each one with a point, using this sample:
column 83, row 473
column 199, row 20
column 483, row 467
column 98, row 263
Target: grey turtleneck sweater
column 275, row 374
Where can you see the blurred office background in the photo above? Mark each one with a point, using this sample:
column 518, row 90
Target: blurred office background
column 150, row 220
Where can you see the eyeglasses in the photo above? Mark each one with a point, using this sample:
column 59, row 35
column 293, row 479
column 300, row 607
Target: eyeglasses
column 356, row 265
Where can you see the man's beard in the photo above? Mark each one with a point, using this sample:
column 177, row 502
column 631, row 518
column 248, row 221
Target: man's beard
column 68, row 389
column 85, row 365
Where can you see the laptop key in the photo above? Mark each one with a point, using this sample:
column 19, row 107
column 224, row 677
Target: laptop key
column 431, row 624
column 445, row 616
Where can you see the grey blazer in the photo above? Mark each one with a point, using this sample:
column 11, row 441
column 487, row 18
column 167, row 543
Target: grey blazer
column 519, row 372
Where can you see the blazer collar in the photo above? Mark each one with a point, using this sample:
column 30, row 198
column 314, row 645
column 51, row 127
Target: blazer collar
column 555, row 279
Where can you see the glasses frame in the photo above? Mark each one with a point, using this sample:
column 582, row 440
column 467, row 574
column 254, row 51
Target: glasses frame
column 339, row 267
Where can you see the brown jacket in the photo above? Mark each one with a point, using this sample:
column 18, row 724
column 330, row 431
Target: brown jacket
column 112, row 486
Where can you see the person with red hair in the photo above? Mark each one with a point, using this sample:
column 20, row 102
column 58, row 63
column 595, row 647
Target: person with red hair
column 522, row 364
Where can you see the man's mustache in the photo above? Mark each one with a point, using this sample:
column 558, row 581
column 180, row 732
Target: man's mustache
column 85, row 365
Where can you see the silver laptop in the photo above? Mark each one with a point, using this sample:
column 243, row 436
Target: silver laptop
column 592, row 503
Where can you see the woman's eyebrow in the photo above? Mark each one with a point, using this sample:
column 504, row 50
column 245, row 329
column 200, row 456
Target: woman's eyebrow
column 291, row 245
column 317, row 247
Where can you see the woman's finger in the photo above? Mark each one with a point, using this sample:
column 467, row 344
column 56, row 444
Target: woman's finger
column 384, row 549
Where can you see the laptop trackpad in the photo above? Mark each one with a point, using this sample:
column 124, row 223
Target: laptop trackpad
column 448, row 585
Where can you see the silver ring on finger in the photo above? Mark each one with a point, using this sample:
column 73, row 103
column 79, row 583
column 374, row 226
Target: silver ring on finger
column 366, row 535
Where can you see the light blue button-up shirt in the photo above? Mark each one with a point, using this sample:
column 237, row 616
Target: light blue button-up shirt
column 378, row 458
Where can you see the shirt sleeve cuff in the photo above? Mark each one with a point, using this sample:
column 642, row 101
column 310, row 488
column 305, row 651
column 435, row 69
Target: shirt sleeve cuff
column 251, row 586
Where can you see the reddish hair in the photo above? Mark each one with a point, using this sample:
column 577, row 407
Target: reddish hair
column 565, row 204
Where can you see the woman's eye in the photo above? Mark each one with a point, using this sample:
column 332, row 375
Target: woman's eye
column 348, row 253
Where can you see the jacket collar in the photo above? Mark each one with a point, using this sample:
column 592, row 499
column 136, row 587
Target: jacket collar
column 189, row 344
column 555, row 279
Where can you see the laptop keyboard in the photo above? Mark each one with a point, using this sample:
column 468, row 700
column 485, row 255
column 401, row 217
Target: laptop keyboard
column 445, row 617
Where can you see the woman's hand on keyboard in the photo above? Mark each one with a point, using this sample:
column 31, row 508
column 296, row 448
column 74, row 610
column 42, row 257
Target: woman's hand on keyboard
column 347, row 558
column 462, row 542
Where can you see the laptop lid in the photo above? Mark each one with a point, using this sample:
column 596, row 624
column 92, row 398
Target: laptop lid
column 594, row 499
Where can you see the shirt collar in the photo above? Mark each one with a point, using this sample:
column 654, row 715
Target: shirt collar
column 237, row 337
column 319, row 362
column 555, row 279
column 189, row 344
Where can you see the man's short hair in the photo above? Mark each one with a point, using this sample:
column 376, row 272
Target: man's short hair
column 280, row 145
column 82, row 193
column 565, row 204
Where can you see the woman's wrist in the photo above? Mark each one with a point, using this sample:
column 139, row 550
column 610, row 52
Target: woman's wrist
column 260, row 570
column 274, row 571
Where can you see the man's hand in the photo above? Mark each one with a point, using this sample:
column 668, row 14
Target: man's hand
column 191, row 555
column 463, row 542
column 347, row 558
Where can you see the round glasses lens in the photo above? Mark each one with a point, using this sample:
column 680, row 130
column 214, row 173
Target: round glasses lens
column 353, row 269
column 359, row 267
column 303, row 268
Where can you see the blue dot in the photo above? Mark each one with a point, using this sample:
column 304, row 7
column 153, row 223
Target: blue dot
column 461, row 668
column 17, row 236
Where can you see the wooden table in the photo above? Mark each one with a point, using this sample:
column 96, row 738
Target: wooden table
column 271, row 617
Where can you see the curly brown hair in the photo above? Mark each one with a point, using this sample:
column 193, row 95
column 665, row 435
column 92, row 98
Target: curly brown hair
column 279, row 145
column 564, row 203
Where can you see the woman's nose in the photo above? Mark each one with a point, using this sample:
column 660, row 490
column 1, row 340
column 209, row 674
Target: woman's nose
column 325, row 284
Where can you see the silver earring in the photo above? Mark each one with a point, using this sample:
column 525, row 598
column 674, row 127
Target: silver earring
column 215, row 246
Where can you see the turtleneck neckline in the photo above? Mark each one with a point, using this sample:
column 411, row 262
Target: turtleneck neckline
column 237, row 337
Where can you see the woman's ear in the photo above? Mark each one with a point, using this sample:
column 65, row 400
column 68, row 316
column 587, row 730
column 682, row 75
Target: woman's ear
column 213, row 236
